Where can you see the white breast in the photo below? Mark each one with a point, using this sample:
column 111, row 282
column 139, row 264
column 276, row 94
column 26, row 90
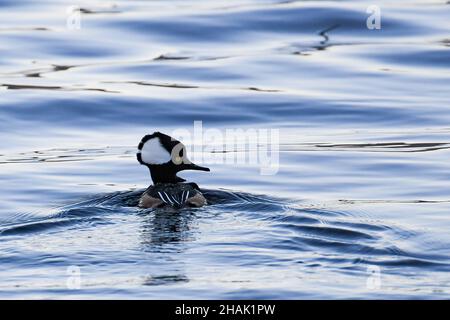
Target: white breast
column 154, row 153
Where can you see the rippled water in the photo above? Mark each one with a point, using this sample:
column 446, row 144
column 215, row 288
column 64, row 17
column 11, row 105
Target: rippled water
column 362, row 193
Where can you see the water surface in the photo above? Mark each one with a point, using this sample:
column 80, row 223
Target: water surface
column 362, row 189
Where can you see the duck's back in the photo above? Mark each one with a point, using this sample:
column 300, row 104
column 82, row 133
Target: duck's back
column 172, row 194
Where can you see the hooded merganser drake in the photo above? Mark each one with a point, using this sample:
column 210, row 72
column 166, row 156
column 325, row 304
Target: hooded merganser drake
column 165, row 157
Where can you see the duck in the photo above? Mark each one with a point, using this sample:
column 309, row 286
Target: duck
column 165, row 156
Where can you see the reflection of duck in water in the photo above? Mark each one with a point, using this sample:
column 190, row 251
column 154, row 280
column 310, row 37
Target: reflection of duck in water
column 165, row 157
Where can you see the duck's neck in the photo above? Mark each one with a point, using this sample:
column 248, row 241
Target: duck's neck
column 159, row 175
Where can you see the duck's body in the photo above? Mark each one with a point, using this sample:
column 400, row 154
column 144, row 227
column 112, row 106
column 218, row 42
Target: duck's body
column 177, row 195
column 165, row 156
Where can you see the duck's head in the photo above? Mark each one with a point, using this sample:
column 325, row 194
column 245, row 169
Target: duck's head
column 165, row 157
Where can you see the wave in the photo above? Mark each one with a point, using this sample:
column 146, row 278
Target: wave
column 339, row 236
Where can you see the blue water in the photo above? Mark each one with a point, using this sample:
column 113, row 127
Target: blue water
column 358, row 209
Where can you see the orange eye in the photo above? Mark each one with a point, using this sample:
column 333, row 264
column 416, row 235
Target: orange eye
column 177, row 160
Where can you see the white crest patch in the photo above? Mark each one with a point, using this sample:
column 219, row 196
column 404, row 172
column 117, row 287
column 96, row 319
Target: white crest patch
column 154, row 153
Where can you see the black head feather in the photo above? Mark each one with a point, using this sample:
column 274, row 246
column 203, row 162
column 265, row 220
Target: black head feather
column 165, row 166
